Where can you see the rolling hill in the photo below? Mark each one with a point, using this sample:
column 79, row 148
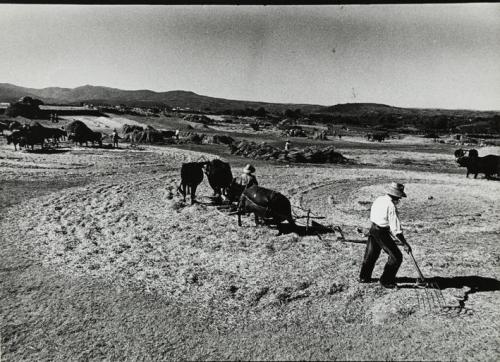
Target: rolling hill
column 113, row 96
column 362, row 114
column 381, row 109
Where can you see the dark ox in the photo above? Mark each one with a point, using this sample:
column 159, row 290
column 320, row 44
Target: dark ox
column 16, row 138
column 53, row 134
column 191, row 177
column 219, row 176
column 79, row 132
column 489, row 165
column 264, row 203
column 86, row 138
column 461, row 153
column 26, row 137
column 168, row 133
column 379, row 136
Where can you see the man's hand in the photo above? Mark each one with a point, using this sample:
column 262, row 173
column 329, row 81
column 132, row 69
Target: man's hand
column 406, row 246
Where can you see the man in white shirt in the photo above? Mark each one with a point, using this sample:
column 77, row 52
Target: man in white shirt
column 385, row 226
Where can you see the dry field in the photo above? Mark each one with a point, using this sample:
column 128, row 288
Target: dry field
column 98, row 262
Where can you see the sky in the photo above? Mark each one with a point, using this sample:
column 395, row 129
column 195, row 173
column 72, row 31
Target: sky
column 424, row 55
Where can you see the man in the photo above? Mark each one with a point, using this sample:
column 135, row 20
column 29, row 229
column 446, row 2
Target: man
column 385, row 225
column 287, row 145
column 114, row 137
column 247, row 179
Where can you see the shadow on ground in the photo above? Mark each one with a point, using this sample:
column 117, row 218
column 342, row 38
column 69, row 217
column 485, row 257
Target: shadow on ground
column 47, row 151
column 474, row 282
column 315, row 229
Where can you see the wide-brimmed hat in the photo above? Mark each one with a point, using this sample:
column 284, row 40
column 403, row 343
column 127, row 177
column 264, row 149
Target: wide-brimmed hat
column 249, row 169
column 395, row 189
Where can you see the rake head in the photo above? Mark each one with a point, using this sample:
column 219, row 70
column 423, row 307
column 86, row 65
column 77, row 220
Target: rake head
column 432, row 299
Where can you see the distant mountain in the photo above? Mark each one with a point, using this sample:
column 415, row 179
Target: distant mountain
column 371, row 109
column 113, row 96
column 353, row 108
column 362, row 114
column 11, row 93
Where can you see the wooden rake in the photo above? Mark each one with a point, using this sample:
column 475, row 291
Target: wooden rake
column 432, row 299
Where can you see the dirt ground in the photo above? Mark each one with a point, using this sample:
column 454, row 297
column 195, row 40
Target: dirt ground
column 100, row 262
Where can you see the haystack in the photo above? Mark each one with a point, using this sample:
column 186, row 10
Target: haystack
column 268, row 152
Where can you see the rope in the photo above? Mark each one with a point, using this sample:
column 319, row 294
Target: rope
column 309, row 210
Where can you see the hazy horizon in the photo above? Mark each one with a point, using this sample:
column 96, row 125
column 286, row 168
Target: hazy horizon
column 261, row 101
column 419, row 56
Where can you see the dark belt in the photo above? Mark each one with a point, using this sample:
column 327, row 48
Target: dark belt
column 380, row 227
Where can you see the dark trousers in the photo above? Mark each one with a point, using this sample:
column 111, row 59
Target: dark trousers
column 380, row 238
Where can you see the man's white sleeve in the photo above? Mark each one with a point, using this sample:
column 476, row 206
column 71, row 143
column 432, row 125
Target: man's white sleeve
column 394, row 222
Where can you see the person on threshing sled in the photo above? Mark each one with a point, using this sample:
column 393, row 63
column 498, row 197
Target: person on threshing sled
column 386, row 227
column 248, row 179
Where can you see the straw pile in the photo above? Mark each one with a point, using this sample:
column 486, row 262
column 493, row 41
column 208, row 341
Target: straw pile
column 201, row 138
column 198, row 119
column 305, row 155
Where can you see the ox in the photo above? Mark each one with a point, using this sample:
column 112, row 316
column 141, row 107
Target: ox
column 47, row 132
column 489, row 165
column 86, row 137
column 26, row 136
column 219, row 176
column 79, row 132
column 55, row 134
column 16, row 138
column 379, row 136
column 191, row 177
column 461, row 153
column 267, row 204
column 168, row 133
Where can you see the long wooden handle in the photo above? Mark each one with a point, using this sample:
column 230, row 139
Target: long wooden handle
column 416, row 266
